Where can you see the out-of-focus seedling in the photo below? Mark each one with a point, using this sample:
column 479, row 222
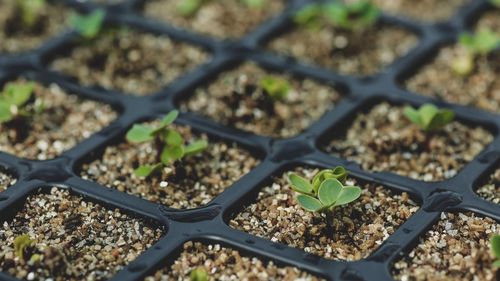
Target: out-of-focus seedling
column 325, row 192
column 198, row 274
column 276, row 88
column 478, row 44
column 189, row 8
column 30, row 11
column 495, row 249
column 169, row 143
column 88, row 26
column 428, row 117
column 495, row 3
column 21, row 243
column 351, row 16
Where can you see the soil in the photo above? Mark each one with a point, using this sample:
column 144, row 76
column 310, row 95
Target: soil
column 51, row 132
column 490, row 20
column 384, row 140
column 346, row 52
column 422, row 10
column 222, row 18
column 5, row 181
column 225, row 264
column 359, row 227
column 236, row 99
column 77, row 240
column 491, row 189
column 456, row 248
column 189, row 183
column 15, row 37
column 129, row 61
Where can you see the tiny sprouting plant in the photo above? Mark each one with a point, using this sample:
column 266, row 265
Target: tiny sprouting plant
column 495, row 249
column 276, row 88
column 198, row 274
column 350, row 16
column 88, row 26
column 478, row 44
column 21, row 243
column 30, row 11
column 326, row 191
column 15, row 102
column 428, row 117
column 189, row 8
column 168, row 141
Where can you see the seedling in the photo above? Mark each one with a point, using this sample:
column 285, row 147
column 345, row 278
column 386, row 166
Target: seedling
column 495, row 248
column 14, row 102
column 169, row 143
column 30, row 11
column 481, row 43
column 428, row 117
column 199, row 274
column 21, row 243
column 325, row 192
column 276, row 88
column 495, row 3
column 352, row 16
column 189, row 8
column 88, row 26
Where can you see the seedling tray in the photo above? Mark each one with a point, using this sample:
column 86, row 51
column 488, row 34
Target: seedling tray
column 210, row 222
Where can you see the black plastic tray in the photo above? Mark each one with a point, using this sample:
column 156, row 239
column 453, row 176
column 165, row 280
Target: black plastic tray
column 209, row 223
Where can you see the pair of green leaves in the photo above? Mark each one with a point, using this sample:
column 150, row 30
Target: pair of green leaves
column 172, row 142
column 495, row 248
column 325, row 192
column 428, row 117
column 13, row 98
column 354, row 16
column 88, row 26
column 30, row 11
column 22, row 242
column 275, row 87
column 482, row 42
column 189, row 8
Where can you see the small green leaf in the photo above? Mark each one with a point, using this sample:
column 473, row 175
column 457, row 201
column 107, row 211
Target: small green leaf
column 88, row 26
column 140, row 133
column 171, row 153
column 198, row 274
column 496, row 263
column 21, row 242
column 188, row 8
column 495, row 3
column 309, row 203
column 18, row 93
column 5, row 114
column 147, row 170
column 348, row 194
column 30, row 11
column 495, row 245
column 352, row 16
column 329, row 191
column 482, row 42
column 195, row 147
column 300, row 184
column 277, row 88
column 308, row 16
column 169, row 118
column 427, row 113
column 173, row 138
column 442, row 118
column 413, row 115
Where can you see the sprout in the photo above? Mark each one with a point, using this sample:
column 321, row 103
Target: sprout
column 276, row 88
column 14, row 102
column 88, row 26
column 30, row 11
column 21, row 243
column 189, row 8
column 325, row 192
column 169, row 142
column 428, row 117
column 495, row 3
column 199, row 274
column 495, row 248
column 481, row 43
column 354, row 16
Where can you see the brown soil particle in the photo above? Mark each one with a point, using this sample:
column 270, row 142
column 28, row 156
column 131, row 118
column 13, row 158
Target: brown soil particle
column 384, row 140
column 490, row 20
column 189, row 183
column 225, row 264
column 77, row 240
column 64, row 121
column 222, row 18
column 130, row 61
column 354, row 53
column 423, row 10
column 15, row 37
column 491, row 190
column 359, row 228
column 456, row 248
column 5, row 181
column 237, row 99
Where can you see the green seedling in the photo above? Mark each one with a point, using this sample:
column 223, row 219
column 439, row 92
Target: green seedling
column 88, row 26
column 495, row 3
column 478, row 44
column 189, row 8
column 354, row 16
column 14, row 102
column 495, row 249
column 325, row 192
column 428, row 117
column 198, row 274
column 276, row 88
column 30, row 11
column 21, row 243
column 168, row 141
